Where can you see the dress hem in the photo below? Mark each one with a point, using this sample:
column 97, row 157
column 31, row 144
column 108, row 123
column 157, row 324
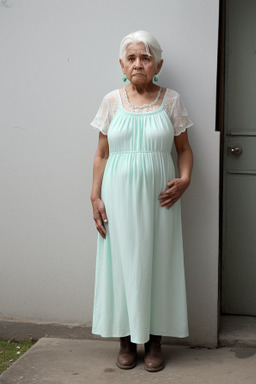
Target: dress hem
column 164, row 334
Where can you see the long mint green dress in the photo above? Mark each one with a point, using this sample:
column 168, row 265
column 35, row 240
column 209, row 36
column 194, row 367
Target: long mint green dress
column 140, row 281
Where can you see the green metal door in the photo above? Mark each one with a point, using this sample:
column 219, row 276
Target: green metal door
column 239, row 160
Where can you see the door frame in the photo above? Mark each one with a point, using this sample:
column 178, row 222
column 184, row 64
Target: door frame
column 220, row 118
column 230, row 322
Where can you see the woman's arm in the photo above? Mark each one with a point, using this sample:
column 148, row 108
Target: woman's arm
column 100, row 159
column 176, row 187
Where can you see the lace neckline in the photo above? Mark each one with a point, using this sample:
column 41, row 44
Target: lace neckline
column 139, row 107
column 141, row 112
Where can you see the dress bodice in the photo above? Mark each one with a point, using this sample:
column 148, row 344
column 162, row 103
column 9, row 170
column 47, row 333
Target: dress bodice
column 133, row 132
column 171, row 103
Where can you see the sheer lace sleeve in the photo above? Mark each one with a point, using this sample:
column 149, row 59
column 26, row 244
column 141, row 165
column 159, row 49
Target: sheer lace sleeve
column 108, row 108
column 102, row 118
column 177, row 112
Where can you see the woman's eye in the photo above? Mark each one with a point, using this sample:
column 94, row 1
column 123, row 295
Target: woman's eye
column 146, row 59
column 131, row 59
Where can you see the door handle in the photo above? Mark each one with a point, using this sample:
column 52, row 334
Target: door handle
column 237, row 151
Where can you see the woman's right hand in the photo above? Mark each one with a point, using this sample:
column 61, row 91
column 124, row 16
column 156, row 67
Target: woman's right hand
column 99, row 216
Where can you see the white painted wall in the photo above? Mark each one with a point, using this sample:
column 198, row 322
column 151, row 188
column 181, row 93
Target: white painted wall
column 58, row 59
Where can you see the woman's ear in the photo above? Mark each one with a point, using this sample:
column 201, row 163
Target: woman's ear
column 159, row 65
column 121, row 63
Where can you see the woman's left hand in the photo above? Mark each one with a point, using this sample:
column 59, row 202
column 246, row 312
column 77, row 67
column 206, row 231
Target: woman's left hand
column 175, row 189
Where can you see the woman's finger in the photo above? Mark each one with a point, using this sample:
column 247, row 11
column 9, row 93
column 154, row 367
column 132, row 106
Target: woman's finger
column 166, row 202
column 171, row 183
column 100, row 217
column 169, row 190
column 103, row 213
column 174, row 192
column 166, row 194
column 170, row 199
column 99, row 223
column 170, row 205
column 100, row 227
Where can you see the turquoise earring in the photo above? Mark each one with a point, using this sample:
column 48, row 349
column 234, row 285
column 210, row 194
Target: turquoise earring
column 124, row 78
column 155, row 78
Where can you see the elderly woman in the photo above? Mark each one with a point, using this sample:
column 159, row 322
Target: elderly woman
column 140, row 290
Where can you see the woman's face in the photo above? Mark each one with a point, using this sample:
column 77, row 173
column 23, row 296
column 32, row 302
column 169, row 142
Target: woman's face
column 138, row 66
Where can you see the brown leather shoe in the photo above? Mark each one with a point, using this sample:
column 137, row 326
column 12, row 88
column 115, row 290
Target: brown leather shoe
column 127, row 356
column 153, row 359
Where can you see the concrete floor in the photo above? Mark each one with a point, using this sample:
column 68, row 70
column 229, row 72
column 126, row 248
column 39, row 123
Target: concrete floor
column 238, row 331
column 67, row 361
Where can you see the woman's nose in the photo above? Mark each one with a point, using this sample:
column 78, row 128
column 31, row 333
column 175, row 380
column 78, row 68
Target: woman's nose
column 137, row 63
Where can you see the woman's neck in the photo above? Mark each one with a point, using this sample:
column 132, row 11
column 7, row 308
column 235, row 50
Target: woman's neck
column 141, row 96
column 142, row 88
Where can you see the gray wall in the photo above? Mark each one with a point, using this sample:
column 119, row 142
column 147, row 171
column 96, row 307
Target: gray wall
column 58, row 59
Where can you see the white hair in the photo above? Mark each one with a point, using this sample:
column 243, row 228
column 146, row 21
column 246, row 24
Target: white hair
column 151, row 44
